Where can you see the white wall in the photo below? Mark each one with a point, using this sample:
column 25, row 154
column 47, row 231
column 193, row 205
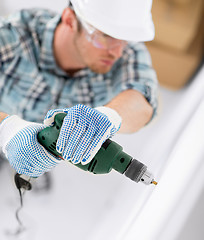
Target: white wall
column 193, row 228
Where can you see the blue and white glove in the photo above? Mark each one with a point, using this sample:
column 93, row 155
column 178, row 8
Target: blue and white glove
column 18, row 140
column 83, row 131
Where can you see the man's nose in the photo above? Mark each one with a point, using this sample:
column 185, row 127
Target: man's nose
column 116, row 51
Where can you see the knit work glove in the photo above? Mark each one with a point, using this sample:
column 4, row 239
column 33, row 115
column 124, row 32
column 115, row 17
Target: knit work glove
column 83, row 131
column 18, row 140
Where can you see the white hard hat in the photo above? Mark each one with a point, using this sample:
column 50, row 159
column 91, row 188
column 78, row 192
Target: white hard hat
column 129, row 20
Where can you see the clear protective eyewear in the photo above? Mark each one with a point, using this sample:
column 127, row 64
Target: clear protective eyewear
column 100, row 39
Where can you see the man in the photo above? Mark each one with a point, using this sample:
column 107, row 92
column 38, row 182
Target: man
column 83, row 64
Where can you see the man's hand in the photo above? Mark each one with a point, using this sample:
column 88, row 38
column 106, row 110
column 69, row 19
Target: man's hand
column 18, row 140
column 83, row 131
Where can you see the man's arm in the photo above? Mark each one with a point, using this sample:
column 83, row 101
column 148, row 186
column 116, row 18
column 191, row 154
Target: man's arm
column 134, row 109
column 135, row 88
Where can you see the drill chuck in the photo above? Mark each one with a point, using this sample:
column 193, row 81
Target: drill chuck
column 138, row 172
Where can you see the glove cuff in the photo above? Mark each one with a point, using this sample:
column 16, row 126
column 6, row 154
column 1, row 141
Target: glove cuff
column 112, row 115
column 9, row 127
column 49, row 119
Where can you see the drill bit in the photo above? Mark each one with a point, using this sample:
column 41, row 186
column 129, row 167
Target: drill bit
column 154, row 182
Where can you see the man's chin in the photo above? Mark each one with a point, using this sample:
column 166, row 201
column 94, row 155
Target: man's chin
column 100, row 70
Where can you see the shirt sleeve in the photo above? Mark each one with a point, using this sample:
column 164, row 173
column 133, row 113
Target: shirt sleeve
column 17, row 30
column 9, row 42
column 21, row 83
column 134, row 71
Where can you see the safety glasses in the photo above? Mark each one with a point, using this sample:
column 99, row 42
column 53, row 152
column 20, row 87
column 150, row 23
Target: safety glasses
column 100, row 39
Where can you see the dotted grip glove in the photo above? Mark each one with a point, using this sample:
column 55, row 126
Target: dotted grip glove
column 83, row 131
column 18, row 140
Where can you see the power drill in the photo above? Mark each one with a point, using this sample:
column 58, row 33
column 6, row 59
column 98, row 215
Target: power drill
column 110, row 156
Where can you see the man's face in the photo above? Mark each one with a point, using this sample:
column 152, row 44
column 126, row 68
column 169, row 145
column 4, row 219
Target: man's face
column 99, row 60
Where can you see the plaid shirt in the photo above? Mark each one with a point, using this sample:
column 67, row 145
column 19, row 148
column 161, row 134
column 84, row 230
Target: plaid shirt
column 31, row 82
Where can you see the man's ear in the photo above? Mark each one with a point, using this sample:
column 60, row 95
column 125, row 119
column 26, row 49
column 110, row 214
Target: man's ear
column 69, row 18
